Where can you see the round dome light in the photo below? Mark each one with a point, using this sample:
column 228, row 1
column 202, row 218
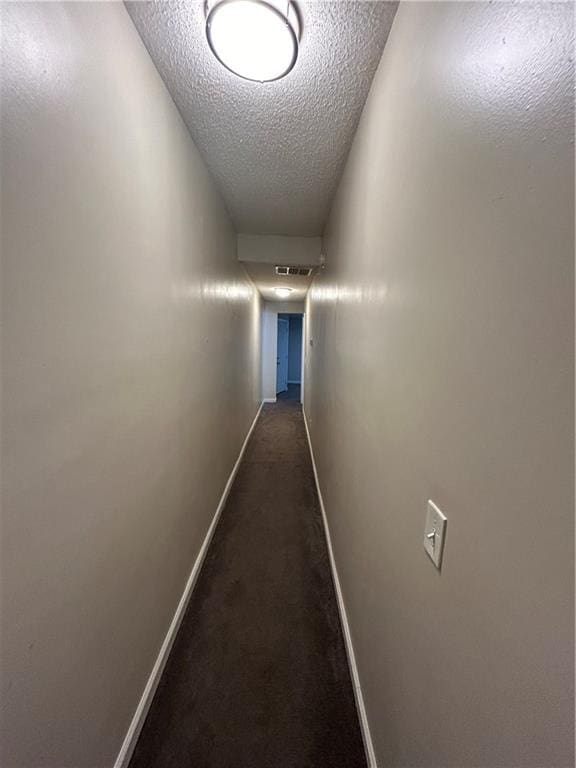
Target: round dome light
column 255, row 39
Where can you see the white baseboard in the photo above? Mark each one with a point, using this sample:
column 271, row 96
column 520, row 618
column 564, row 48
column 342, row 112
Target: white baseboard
column 362, row 716
column 269, row 400
column 150, row 689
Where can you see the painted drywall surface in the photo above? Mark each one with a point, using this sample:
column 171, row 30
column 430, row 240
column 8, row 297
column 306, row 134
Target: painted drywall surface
column 280, row 307
column 442, row 368
column 269, row 347
column 270, row 312
column 130, row 342
column 278, row 249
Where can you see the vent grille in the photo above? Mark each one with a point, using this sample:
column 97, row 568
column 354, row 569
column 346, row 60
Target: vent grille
column 302, row 271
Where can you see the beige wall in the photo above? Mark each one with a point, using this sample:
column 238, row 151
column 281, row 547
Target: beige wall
column 442, row 367
column 130, row 375
column 279, row 249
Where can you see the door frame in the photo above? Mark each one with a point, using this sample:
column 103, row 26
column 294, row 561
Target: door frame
column 303, row 363
column 268, row 350
column 278, row 363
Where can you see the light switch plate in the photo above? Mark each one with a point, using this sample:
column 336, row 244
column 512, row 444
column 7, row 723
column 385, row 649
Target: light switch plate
column 435, row 533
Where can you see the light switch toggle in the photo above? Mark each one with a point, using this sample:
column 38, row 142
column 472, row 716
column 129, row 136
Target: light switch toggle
column 434, row 533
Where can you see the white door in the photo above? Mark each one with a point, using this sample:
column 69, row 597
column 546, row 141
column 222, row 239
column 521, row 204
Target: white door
column 282, row 356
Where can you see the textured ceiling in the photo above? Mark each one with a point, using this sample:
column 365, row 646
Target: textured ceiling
column 276, row 150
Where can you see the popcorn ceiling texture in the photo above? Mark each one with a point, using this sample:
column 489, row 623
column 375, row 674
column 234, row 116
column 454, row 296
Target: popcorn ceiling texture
column 276, row 150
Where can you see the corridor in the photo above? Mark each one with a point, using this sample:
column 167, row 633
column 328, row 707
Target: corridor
column 258, row 675
column 287, row 449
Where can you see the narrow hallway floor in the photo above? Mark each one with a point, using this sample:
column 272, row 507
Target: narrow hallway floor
column 292, row 393
column 258, row 675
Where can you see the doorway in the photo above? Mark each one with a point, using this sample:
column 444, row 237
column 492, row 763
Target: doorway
column 289, row 356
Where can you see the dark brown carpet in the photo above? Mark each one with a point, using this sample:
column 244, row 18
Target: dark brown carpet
column 258, row 676
column 292, row 393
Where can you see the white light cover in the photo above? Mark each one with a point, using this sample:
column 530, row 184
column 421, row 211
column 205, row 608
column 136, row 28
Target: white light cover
column 252, row 38
column 283, row 293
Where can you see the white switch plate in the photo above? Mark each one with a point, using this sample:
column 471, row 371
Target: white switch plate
column 435, row 533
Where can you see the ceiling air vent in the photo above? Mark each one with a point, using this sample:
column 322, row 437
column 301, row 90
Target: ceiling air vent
column 302, row 271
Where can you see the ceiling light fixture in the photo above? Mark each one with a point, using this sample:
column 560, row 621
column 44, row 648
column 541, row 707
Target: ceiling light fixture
column 254, row 39
column 283, row 293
